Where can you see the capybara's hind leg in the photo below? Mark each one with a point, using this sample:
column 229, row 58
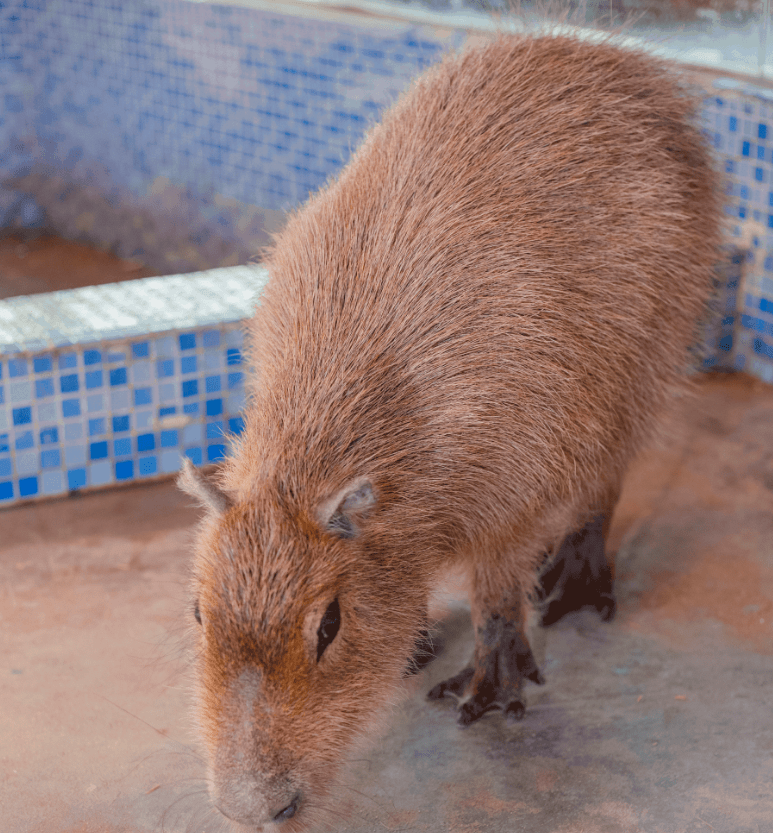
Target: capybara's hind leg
column 579, row 574
column 501, row 662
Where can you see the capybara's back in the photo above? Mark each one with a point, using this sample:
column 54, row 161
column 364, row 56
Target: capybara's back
column 464, row 340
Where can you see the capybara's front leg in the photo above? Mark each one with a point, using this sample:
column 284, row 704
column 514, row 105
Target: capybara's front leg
column 501, row 662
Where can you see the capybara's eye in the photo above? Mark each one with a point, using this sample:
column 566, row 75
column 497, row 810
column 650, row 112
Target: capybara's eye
column 196, row 611
column 328, row 627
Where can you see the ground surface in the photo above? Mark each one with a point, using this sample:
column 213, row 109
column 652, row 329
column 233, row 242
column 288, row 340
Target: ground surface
column 31, row 264
column 658, row 722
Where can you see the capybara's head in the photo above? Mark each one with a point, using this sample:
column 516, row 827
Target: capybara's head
column 304, row 631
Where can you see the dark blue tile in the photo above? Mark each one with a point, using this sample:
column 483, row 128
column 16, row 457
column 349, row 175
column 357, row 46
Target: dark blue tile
column 98, row 451
column 146, row 442
column 214, row 407
column 124, row 470
column 215, row 452
column 118, row 377
column 69, row 383
column 22, row 416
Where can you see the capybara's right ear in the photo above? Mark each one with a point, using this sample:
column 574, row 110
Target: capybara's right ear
column 343, row 513
column 192, row 481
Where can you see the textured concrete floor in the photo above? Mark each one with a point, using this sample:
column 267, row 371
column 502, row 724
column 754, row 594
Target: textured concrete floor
column 660, row 721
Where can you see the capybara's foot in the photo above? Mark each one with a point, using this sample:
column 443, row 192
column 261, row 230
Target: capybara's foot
column 503, row 660
column 578, row 576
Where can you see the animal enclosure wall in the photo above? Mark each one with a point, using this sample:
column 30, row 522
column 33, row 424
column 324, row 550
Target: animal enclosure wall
column 178, row 134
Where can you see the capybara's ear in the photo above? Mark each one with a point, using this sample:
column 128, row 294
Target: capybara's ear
column 344, row 513
column 192, row 481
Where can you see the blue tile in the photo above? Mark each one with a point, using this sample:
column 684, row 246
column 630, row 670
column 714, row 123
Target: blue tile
column 143, row 396
column 121, row 423
column 118, row 377
column 71, row 407
column 124, row 470
column 6, row 490
column 146, row 442
column 93, row 379
column 44, row 387
column 192, row 408
column 122, row 447
column 6, row 467
column 211, row 338
column 96, row 426
column 148, row 465
column 24, row 440
column 98, row 451
column 162, row 412
column 214, row 407
column 164, row 368
column 190, row 388
column 236, row 425
column 69, row 383
column 28, row 486
column 49, row 435
column 235, row 380
column 22, row 416
column 233, row 356
column 212, row 384
column 187, row 341
column 42, row 364
column 67, row 361
column 17, row 367
column 92, row 356
column 188, row 364
column 215, row 429
column 215, row 452
column 141, row 350
column 169, row 439
column 194, row 455
column 76, row 479
column 51, row 459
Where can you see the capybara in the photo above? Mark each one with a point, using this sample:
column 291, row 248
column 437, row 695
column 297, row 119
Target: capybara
column 464, row 340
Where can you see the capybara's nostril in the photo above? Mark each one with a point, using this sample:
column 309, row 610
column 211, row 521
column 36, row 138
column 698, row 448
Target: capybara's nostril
column 290, row 810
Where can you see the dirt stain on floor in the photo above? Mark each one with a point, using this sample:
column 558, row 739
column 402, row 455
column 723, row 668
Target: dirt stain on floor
column 729, row 587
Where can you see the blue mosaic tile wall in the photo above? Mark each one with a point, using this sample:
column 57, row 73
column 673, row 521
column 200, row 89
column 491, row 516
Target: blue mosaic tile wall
column 740, row 122
column 117, row 411
column 171, row 130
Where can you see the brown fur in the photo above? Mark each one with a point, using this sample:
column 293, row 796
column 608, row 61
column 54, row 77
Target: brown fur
column 480, row 320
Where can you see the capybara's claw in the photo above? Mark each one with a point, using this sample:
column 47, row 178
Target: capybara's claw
column 455, row 686
column 474, row 708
